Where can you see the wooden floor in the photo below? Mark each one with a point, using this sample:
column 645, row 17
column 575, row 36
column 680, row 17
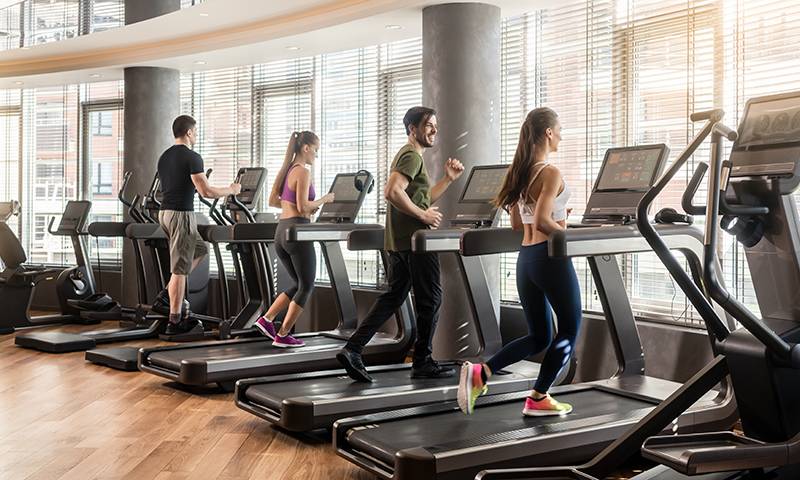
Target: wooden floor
column 62, row 417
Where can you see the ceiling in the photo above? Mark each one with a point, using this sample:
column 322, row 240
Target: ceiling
column 225, row 33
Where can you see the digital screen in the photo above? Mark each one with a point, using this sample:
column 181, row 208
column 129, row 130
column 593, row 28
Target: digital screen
column 344, row 189
column 484, row 184
column 628, row 169
column 772, row 122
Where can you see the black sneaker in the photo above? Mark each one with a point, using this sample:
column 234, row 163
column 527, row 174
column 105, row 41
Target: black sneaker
column 431, row 369
column 351, row 362
column 161, row 304
column 180, row 327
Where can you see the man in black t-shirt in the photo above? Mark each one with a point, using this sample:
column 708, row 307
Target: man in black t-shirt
column 181, row 172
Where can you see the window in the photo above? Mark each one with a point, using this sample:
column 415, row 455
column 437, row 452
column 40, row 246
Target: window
column 102, row 180
column 101, row 124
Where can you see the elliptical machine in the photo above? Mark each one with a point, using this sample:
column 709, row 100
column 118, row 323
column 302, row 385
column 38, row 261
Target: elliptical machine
column 19, row 281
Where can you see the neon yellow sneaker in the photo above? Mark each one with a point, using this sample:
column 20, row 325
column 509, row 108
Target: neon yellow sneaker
column 546, row 406
column 470, row 387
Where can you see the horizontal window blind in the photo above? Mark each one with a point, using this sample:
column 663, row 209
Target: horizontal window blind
column 34, row 22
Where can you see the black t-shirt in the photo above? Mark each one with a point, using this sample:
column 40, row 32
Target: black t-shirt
column 175, row 168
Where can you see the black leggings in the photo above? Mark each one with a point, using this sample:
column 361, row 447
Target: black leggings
column 299, row 259
column 542, row 281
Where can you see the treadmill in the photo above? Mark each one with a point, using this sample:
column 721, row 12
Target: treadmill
column 402, row 445
column 754, row 190
column 142, row 230
column 316, row 400
column 224, row 362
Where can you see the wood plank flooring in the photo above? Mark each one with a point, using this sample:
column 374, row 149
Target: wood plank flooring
column 64, row 418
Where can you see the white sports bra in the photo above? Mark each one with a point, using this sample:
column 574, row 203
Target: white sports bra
column 527, row 210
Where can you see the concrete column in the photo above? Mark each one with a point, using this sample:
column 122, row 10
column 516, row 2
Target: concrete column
column 461, row 81
column 138, row 10
column 152, row 101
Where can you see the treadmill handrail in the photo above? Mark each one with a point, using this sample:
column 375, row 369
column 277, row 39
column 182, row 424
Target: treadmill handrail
column 241, row 233
column 692, row 291
column 487, row 241
column 438, row 240
column 324, row 232
column 145, row 231
column 366, row 239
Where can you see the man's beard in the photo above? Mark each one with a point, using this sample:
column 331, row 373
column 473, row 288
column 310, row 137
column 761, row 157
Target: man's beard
column 423, row 140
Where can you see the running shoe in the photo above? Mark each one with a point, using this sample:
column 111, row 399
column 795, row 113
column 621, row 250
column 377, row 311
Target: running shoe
column 351, row 361
column 266, row 327
column 430, row 368
column 287, row 342
column 546, row 406
column 470, row 387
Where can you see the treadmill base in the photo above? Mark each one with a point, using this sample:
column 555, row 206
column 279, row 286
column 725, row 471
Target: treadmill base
column 120, row 358
column 56, row 342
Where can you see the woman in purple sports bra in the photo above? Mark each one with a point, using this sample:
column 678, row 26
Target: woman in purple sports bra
column 294, row 194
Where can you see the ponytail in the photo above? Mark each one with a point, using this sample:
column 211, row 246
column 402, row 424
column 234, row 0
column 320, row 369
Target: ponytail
column 296, row 142
column 531, row 136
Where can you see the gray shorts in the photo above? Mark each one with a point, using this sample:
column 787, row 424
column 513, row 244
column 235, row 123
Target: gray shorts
column 185, row 244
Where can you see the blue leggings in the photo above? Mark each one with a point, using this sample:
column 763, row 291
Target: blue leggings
column 541, row 282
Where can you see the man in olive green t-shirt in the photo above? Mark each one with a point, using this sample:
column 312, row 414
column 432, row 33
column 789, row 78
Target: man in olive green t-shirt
column 410, row 196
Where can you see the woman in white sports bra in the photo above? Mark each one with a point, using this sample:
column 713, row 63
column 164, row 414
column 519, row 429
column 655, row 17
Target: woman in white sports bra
column 536, row 196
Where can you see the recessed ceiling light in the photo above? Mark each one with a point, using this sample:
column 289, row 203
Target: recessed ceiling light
column 200, row 63
column 19, row 83
column 95, row 75
column 394, row 27
column 205, row 14
column 292, row 48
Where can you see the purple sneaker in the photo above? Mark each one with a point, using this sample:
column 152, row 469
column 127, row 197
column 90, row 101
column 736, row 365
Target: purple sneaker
column 287, row 342
column 265, row 327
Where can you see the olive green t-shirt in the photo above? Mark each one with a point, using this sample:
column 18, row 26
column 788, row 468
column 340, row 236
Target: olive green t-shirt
column 399, row 226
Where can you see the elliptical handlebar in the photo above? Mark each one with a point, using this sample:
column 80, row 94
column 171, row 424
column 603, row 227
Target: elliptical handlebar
column 212, row 206
column 715, row 115
column 121, row 194
column 239, row 204
column 691, row 190
column 697, row 297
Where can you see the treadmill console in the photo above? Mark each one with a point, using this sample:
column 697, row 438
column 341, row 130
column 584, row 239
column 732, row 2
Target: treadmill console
column 347, row 201
column 768, row 147
column 625, row 176
column 474, row 208
column 8, row 210
column 252, row 181
column 74, row 217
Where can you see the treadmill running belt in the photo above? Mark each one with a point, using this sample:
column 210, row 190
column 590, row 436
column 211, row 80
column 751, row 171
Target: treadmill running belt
column 171, row 359
column 491, row 424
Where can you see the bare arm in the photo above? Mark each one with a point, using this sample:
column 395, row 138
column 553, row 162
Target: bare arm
column 543, row 218
column 303, row 184
column 207, row 191
column 516, row 220
column 452, row 170
column 395, row 193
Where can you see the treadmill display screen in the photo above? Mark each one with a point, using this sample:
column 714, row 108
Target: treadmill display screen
column 628, row 169
column 344, row 189
column 484, row 184
column 770, row 123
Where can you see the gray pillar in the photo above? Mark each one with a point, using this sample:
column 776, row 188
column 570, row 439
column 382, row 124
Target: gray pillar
column 138, row 10
column 461, row 81
column 152, row 101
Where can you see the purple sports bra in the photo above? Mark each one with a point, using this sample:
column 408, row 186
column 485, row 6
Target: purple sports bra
column 290, row 195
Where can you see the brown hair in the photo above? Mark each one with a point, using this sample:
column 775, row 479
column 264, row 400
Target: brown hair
column 182, row 125
column 532, row 135
column 417, row 115
column 296, row 142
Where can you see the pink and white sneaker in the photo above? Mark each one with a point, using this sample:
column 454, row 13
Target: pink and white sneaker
column 470, row 386
column 287, row 342
column 266, row 328
column 546, row 406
